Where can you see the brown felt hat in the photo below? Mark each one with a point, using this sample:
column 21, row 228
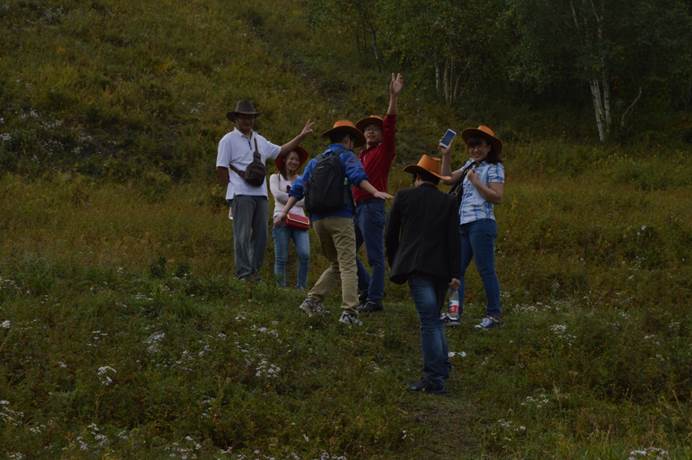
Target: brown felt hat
column 281, row 159
column 370, row 120
column 429, row 164
column 347, row 127
column 243, row 107
column 486, row 133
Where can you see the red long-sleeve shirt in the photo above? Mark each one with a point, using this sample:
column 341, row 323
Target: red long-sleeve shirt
column 378, row 160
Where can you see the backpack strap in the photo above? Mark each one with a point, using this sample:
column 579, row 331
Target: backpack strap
column 255, row 157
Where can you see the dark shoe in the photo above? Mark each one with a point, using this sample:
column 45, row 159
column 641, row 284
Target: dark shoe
column 370, row 307
column 488, row 322
column 449, row 320
column 424, row 386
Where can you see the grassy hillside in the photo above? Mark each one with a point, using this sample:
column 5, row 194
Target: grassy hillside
column 124, row 335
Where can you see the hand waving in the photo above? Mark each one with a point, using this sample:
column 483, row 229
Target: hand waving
column 308, row 128
column 396, row 84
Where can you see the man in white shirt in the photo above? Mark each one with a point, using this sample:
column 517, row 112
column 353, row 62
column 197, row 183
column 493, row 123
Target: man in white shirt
column 248, row 203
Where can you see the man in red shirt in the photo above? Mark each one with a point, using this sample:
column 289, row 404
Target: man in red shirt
column 377, row 158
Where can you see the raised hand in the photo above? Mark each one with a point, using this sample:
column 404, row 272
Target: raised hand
column 307, row 129
column 444, row 150
column 396, row 84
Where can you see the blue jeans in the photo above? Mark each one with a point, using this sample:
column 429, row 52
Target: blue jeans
column 478, row 243
column 370, row 221
column 428, row 294
column 302, row 241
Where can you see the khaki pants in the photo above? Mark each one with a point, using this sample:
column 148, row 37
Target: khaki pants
column 338, row 240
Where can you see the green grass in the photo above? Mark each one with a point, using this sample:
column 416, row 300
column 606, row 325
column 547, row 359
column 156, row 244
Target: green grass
column 593, row 360
column 124, row 335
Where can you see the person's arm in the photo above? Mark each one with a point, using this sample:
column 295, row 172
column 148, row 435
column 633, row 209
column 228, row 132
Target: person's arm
column 279, row 218
column 297, row 192
column 280, row 196
column 223, row 159
column 356, row 175
column 222, row 175
column 295, row 142
column 368, row 187
column 495, row 188
column 391, row 238
column 453, row 240
column 395, row 87
column 446, row 166
column 389, row 123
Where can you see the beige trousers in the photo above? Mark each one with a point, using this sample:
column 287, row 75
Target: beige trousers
column 338, row 240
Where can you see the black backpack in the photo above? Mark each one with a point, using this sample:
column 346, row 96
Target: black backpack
column 327, row 190
column 255, row 172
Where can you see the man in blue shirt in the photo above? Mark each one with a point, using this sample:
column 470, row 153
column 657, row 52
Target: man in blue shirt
column 334, row 228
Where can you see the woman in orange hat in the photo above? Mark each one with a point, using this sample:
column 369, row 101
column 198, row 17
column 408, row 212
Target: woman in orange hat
column 280, row 184
column 482, row 180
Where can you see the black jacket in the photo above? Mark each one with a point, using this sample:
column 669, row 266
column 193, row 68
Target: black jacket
column 422, row 235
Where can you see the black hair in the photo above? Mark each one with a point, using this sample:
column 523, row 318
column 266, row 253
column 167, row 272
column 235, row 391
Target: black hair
column 493, row 156
column 426, row 176
column 337, row 137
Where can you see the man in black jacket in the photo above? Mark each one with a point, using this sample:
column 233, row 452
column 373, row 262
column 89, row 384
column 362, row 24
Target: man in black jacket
column 422, row 243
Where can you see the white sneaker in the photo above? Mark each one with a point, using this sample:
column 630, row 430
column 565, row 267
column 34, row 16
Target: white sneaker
column 350, row 319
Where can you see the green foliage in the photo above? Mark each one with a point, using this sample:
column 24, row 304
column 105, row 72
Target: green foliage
column 124, row 334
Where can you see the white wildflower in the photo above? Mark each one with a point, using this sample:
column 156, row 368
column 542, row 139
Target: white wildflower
column 558, row 329
column 154, row 341
column 267, row 369
column 460, row 354
column 649, row 452
column 540, row 401
column 105, row 373
column 9, row 416
column 6, row 324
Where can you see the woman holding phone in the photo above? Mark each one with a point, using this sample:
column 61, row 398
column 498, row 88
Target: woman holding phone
column 280, row 184
column 482, row 180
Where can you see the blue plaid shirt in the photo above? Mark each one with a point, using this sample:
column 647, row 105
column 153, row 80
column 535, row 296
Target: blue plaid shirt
column 473, row 206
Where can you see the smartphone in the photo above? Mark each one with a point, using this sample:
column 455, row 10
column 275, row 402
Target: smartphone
column 448, row 138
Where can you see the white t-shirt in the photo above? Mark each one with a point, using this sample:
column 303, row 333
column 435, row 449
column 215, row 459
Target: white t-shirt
column 279, row 188
column 237, row 149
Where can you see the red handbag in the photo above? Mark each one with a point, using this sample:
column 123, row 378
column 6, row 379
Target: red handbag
column 297, row 221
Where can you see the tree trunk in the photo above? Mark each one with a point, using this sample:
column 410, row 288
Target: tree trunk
column 629, row 108
column 598, row 109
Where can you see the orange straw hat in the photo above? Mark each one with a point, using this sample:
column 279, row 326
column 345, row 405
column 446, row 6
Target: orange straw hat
column 370, row 120
column 429, row 164
column 486, row 133
column 281, row 159
column 347, row 127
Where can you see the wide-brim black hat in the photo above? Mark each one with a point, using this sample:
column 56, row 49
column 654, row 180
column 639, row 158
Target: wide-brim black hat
column 243, row 107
